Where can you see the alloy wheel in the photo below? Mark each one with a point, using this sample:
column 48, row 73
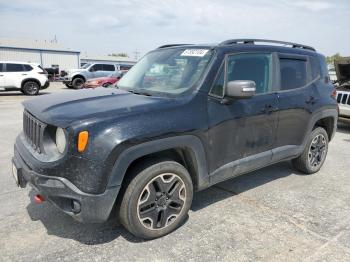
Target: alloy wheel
column 161, row 201
column 317, row 150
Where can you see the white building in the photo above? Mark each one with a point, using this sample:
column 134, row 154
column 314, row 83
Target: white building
column 46, row 53
column 51, row 54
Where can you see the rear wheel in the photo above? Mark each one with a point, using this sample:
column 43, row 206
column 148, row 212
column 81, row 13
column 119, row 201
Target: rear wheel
column 30, row 88
column 157, row 200
column 78, row 83
column 314, row 154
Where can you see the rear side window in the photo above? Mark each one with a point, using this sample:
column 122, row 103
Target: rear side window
column 14, row 67
column 293, row 73
column 108, row 68
column 315, row 67
column 27, row 68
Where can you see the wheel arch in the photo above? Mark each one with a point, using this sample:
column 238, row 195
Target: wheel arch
column 326, row 119
column 187, row 150
column 30, row 79
column 80, row 76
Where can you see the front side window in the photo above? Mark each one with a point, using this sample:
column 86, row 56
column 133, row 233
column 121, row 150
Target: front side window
column 14, row 67
column 2, row 67
column 97, row 67
column 169, row 71
column 293, row 73
column 27, row 68
column 254, row 67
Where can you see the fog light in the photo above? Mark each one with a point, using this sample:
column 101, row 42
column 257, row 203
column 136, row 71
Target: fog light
column 76, row 207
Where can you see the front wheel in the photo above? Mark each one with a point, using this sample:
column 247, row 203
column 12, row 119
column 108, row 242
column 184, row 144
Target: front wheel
column 78, row 83
column 30, row 88
column 315, row 152
column 157, row 199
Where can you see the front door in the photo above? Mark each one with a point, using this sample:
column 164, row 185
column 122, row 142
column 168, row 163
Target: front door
column 242, row 132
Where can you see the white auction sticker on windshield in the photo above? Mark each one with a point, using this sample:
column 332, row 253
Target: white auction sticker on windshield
column 194, row 52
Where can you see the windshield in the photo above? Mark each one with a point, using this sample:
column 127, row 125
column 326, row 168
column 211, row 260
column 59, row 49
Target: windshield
column 171, row 71
column 85, row 66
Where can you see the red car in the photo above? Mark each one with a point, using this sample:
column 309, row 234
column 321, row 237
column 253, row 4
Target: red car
column 102, row 81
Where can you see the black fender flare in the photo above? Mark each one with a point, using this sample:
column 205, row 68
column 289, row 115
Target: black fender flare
column 80, row 76
column 190, row 142
column 320, row 114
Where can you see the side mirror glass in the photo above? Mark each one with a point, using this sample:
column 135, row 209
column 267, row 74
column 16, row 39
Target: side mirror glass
column 92, row 69
column 240, row 89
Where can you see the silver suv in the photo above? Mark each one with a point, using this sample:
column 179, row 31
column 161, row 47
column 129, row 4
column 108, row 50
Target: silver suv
column 75, row 78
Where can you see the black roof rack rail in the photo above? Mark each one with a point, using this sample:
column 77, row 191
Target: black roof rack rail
column 171, row 45
column 253, row 41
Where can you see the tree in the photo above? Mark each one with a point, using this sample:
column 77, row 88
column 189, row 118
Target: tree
column 331, row 59
column 119, row 54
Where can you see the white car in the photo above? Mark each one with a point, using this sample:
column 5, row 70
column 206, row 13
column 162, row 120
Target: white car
column 342, row 68
column 28, row 78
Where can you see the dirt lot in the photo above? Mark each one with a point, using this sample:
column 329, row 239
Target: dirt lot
column 274, row 214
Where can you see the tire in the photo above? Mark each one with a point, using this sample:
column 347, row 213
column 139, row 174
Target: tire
column 106, row 84
column 30, row 88
column 78, row 83
column 145, row 211
column 314, row 154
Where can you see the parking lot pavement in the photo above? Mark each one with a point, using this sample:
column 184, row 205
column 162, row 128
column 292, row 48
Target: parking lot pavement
column 274, row 214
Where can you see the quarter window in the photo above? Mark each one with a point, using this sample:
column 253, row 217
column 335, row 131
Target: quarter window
column 14, row 67
column 27, row 68
column 218, row 87
column 293, row 73
column 254, row 67
column 108, row 68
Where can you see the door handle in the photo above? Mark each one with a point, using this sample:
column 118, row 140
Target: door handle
column 24, row 74
column 1, row 75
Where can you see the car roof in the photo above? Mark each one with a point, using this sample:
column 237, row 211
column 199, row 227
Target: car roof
column 245, row 45
column 18, row 62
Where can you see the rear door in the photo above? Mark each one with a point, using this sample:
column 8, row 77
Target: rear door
column 108, row 70
column 296, row 99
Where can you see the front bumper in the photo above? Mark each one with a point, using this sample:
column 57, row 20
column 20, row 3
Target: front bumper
column 84, row 207
column 46, row 85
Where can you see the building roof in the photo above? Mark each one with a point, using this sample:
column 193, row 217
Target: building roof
column 34, row 44
column 85, row 56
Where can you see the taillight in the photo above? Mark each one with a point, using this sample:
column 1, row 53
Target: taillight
column 334, row 93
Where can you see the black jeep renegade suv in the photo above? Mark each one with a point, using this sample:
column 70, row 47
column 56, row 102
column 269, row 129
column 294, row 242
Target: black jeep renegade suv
column 183, row 118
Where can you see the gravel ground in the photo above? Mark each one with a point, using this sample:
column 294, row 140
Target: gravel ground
column 274, row 214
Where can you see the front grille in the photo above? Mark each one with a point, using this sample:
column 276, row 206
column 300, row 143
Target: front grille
column 343, row 98
column 33, row 130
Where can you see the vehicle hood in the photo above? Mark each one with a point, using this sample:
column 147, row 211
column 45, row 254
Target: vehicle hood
column 88, row 104
column 342, row 68
column 75, row 70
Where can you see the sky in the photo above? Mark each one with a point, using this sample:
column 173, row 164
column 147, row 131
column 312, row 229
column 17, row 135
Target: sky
column 113, row 26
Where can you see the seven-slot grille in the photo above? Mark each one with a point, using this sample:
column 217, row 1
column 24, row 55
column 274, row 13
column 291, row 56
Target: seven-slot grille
column 343, row 97
column 33, row 130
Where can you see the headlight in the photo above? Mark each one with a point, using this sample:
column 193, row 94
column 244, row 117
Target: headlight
column 61, row 140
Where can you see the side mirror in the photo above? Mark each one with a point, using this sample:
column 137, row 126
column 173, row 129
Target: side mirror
column 240, row 89
column 91, row 69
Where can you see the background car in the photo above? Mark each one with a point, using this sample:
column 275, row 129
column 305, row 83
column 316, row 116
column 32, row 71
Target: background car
column 28, row 78
column 102, row 81
column 76, row 78
column 342, row 68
